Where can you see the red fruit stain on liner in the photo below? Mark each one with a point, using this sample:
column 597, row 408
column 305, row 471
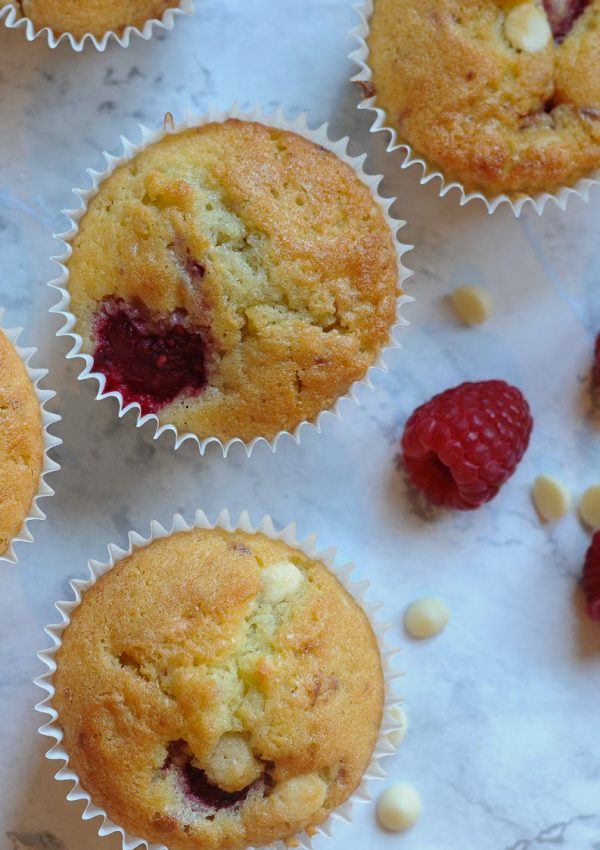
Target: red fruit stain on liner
column 149, row 359
column 590, row 579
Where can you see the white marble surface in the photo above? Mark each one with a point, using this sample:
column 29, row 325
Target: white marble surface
column 504, row 739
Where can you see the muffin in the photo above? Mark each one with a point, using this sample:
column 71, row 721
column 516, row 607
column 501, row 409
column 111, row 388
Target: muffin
column 500, row 95
column 21, row 443
column 233, row 279
column 97, row 17
column 218, row 690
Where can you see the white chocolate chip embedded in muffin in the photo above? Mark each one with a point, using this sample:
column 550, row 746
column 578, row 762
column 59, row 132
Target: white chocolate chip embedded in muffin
column 527, row 28
column 589, row 507
column 301, row 796
column 399, row 807
column 399, row 716
column 232, row 765
column 280, row 581
column 472, row 304
column 550, row 497
column 425, row 618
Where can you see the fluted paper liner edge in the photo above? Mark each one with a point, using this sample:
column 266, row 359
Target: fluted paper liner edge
column 277, row 119
column 51, row 728
column 517, row 203
column 24, row 534
column 14, row 20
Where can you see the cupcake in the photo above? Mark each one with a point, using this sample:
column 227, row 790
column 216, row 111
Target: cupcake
column 500, row 95
column 78, row 19
column 21, row 443
column 218, row 689
column 233, row 279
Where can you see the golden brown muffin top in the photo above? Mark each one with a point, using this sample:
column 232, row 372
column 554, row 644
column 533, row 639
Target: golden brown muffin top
column 218, row 690
column 97, row 17
column 259, row 257
column 21, row 443
column 502, row 95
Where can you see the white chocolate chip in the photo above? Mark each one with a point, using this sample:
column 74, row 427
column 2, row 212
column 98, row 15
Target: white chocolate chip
column 301, row 796
column 232, row 765
column 399, row 807
column 472, row 304
column 550, row 497
column 280, row 581
column 427, row 617
column 589, row 507
column 399, row 716
column 527, row 28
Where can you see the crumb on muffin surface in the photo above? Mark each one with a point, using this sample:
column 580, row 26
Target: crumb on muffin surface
column 21, row 443
column 92, row 16
column 218, row 690
column 268, row 245
column 495, row 116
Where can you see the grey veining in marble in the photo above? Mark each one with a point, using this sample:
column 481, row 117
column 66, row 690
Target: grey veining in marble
column 504, row 742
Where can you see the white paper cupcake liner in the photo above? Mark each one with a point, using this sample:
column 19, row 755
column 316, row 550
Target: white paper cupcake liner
column 50, row 441
column 360, row 56
column 276, row 119
column 52, row 729
column 13, row 19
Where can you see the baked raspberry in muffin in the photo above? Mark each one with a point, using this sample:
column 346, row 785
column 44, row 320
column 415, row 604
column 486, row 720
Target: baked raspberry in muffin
column 21, row 443
column 97, row 17
column 501, row 95
column 218, row 690
column 233, row 279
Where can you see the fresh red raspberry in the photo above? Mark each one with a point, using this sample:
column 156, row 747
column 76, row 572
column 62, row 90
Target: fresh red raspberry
column 462, row 445
column 590, row 579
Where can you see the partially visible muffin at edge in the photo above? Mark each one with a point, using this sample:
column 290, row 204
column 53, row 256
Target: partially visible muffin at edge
column 501, row 95
column 234, row 279
column 21, row 443
column 92, row 16
column 218, row 690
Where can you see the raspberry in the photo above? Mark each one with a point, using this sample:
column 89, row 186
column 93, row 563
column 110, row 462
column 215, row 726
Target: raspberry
column 461, row 446
column 195, row 785
column 147, row 358
column 590, row 579
column 562, row 14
